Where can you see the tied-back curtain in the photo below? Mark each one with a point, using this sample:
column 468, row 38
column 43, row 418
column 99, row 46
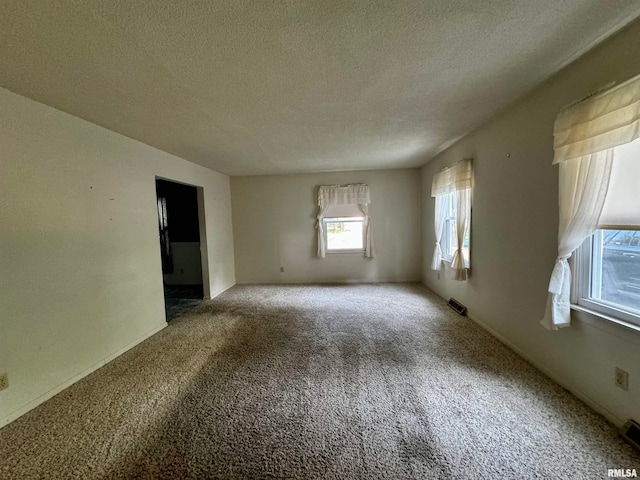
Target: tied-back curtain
column 585, row 136
column 463, row 204
column 340, row 199
column 438, row 220
column 583, row 188
column 458, row 179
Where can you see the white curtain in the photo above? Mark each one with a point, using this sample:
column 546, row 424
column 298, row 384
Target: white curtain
column 369, row 249
column 585, row 136
column 457, row 179
column 463, row 209
column 322, row 246
column 341, row 199
column 439, row 217
column 583, row 188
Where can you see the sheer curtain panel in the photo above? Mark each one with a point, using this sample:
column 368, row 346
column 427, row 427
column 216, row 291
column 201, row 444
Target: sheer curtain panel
column 438, row 220
column 463, row 210
column 585, row 139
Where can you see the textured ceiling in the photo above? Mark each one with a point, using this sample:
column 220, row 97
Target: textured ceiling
column 262, row 87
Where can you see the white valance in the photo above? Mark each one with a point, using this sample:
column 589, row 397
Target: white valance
column 599, row 123
column 343, row 195
column 458, row 177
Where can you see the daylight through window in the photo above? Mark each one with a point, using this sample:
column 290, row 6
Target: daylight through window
column 449, row 234
column 608, row 277
column 597, row 148
column 343, row 222
column 344, row 234
column 451, row 190
column 615, row 273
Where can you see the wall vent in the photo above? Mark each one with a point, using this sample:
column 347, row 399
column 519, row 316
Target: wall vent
column 631, row 433
column 457, row 306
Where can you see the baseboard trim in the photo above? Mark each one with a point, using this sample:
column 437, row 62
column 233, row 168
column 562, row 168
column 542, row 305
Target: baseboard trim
column 330, row 282
column 221, row 291
column 17, row 413
column 574, row 391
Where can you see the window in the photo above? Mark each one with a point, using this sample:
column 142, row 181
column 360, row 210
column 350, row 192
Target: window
column 597, row 148
column 608, row 274
column 449, row 240
column 451, row 190
column 343, row 223
column 344, row 234
column 607, row 279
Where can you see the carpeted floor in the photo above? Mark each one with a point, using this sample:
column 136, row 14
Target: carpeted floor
column 179, row 299
column 358, row 381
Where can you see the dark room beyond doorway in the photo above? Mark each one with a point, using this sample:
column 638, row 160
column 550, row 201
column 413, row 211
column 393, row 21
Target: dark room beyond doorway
column 180, row 246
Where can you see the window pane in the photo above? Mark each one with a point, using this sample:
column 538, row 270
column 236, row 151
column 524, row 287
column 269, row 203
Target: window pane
column 449, row 243
column 344, row 234
column 450, row 235
column 616, row 268
column 465, row 246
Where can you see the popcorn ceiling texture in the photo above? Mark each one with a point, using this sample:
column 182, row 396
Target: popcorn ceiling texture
column 246, row 87
column 357, row 381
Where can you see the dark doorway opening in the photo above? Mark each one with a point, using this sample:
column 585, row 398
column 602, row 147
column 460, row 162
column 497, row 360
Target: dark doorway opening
column 179, row 225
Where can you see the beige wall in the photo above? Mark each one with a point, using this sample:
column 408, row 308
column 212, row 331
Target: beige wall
column 80, row 272
column 274, row 226
column 514, row 235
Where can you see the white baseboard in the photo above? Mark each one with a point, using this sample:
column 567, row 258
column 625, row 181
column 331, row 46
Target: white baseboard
column 331, row 282
column 571, row 388
column 70, row 381
column 221, row 291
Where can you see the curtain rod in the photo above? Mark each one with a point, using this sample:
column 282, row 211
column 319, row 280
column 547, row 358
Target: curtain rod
column 604, row 89
column 451, row 166
column 608, row 88
column 347, row 185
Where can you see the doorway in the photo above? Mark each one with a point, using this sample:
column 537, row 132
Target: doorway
column 179, row 223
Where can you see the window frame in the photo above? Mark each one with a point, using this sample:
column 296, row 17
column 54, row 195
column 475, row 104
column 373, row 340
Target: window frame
column 350, row 219
column 581, row 286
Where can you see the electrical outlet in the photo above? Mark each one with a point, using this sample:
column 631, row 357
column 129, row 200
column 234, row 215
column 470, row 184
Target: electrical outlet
column 622, row 379
column 4, row 381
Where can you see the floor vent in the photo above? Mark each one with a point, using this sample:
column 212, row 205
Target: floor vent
column 631, row 432
column 457, row 306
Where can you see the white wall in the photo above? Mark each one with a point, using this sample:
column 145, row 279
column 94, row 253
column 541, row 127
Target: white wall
column 80, row 271
column 514, row 235
column 274, row 226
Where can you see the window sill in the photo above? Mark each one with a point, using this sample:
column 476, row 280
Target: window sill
column 341, row 252
column 604, row 322
column 450, row 259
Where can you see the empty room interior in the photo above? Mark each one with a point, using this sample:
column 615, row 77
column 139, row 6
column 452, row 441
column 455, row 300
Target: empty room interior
column 320, row 239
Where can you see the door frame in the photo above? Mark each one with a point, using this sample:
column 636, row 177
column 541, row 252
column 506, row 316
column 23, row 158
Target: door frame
column 202, row 226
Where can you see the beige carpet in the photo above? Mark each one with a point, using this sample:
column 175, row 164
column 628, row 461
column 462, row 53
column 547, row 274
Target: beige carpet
column 361, row 381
